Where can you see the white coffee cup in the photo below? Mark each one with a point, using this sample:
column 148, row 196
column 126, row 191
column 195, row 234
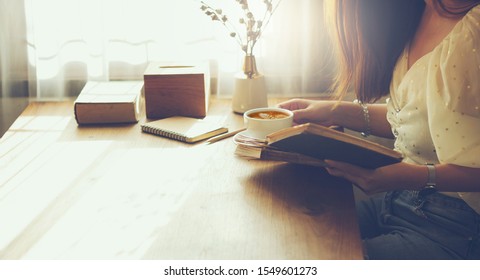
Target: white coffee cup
column 262, row 121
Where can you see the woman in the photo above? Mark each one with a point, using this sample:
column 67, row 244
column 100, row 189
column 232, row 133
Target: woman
column 425, row 56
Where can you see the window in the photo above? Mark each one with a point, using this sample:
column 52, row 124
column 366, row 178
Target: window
column 72, row 41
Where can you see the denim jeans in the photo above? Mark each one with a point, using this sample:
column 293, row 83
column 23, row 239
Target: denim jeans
column 418, row 225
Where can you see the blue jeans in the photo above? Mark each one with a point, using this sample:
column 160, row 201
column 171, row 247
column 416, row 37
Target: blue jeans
column 418, row 225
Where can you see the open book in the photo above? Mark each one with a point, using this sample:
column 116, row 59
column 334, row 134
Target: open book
column 310, row 144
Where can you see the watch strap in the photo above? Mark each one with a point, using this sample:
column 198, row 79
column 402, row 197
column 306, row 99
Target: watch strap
column 432, row 176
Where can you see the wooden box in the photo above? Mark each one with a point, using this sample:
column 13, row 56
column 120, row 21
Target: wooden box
column 173, row 89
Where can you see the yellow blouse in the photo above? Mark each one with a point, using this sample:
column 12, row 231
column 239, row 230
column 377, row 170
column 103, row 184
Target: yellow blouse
column 434, row 107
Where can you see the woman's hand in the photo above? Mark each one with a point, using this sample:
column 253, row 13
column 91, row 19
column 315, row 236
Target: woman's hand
column 391, row 177
column 343, row 114
column 310, row 111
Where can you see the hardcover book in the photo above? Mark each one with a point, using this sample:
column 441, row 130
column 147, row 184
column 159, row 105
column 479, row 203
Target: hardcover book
column 311, row 144
column 109, row 102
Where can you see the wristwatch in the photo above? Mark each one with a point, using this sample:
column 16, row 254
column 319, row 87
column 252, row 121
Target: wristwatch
column 431, row 182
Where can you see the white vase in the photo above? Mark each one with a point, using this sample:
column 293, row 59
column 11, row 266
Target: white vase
column 250, row 90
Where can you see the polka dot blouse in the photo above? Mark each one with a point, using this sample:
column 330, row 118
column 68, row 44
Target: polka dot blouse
column 434, row 107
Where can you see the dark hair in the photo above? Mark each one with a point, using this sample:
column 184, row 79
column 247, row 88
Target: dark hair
column 457, row 8
column 371, row 35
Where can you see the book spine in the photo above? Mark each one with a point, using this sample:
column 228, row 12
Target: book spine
column 164, row 133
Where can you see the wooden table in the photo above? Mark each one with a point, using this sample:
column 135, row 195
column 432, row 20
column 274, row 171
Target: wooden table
column 112, row 192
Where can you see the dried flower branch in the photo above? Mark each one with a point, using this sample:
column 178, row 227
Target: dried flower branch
column 253, row 26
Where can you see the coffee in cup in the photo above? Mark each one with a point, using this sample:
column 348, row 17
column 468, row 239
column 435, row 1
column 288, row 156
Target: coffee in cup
column 262, row 121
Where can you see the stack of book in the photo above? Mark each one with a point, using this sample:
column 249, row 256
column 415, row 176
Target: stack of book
column 311, row 144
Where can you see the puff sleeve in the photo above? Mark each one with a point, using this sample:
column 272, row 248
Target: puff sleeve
column 453, row 94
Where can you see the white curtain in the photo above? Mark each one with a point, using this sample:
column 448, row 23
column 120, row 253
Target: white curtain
column 13, row 50
column 72, row 41
column 14, row 91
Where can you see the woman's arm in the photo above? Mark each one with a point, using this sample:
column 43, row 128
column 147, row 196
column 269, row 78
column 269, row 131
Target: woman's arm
column 449, row 177
column 350, row 115
column 345, row 114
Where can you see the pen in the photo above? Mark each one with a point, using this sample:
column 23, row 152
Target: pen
column 223, row 136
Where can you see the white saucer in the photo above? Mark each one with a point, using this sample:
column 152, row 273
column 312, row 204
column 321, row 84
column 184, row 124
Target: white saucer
column 244, row 138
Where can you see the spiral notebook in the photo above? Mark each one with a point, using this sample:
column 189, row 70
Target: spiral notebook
column 185, row 129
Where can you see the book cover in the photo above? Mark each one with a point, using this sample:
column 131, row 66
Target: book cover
column 108, row 102
column 267, row 153
column 311, row 144
column 185, row 129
